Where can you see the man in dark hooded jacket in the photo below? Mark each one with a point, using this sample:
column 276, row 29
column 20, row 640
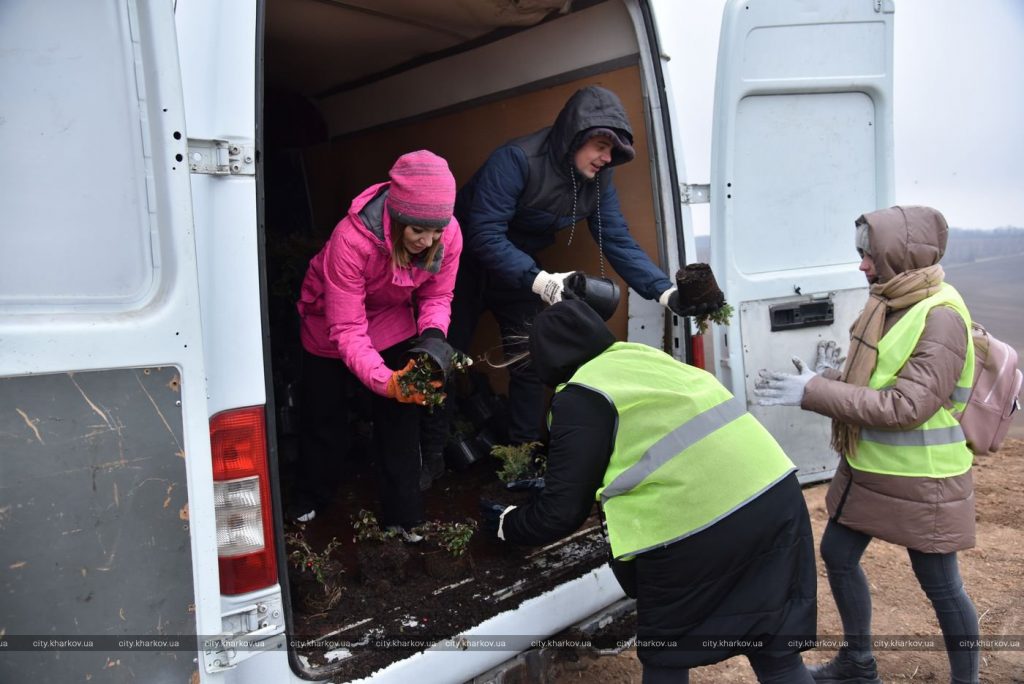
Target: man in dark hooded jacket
column 706, row 521
column 528, row 190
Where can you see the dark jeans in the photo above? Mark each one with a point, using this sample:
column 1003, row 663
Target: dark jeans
column 328, row 395
column 939, row 577
column 787, row 669
column 514, row 309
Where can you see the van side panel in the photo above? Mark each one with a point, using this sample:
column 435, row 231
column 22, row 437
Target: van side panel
column 99, row 460
column 95, row 522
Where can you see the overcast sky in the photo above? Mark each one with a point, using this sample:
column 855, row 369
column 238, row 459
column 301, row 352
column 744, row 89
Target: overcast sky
column 959, row 102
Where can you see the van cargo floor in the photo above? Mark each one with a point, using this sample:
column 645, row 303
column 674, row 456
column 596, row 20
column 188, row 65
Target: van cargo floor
column 379, row 620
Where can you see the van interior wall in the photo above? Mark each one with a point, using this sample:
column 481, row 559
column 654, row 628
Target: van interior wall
column 341, row 168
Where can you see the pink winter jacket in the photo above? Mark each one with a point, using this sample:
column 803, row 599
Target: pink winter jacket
column 354, row 303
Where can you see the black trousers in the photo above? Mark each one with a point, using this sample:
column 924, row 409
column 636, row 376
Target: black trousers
column 328, row 396
column 514, row 309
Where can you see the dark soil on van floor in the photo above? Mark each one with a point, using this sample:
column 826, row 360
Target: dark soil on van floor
column 356, row 636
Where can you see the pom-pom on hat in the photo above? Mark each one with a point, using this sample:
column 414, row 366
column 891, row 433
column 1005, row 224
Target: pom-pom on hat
column 422, row 191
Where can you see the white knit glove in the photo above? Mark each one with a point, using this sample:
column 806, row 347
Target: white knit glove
column 501, row 522
column 783, row 389
column 828, row 356
column 663, row 299
column 549, row 286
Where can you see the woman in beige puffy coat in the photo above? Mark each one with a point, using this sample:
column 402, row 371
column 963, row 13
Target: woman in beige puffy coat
column 923, row 496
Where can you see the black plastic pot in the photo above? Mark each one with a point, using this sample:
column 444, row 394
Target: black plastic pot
column 484, row 441
column 461, row 452
column 601, row 294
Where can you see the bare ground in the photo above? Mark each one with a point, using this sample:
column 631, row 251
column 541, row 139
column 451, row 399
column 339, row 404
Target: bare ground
column 993, row 573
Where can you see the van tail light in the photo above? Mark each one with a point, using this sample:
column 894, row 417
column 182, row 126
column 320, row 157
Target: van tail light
column 241, row 491
column 697, row 349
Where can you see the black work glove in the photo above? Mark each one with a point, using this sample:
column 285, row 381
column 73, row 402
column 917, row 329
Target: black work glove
column 532, row 484
column 432, row 333
column 490, row 516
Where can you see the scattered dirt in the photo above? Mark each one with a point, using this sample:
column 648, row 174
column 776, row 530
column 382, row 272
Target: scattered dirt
column 993, row 573
column 381, row 605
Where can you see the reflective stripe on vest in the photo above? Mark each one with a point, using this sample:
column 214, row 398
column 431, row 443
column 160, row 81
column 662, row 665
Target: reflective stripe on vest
column 936, row 448
column 686, row 452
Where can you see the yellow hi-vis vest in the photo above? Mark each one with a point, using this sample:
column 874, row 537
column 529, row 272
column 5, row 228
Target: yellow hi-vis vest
column 686, row 452
column 937, row 447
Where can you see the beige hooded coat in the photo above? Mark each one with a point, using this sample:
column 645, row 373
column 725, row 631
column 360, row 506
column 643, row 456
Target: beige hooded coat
column 926, row 514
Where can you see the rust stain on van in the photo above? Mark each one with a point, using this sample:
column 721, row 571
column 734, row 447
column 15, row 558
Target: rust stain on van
column 31, row 424
column 167, row 499
column 19, row 564
column 183, row 512
column 175, row 384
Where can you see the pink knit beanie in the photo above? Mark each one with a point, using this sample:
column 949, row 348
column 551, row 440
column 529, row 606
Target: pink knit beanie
column 422, row 191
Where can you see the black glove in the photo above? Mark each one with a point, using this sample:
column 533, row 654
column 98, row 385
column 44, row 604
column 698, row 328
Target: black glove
column 432, row 333
column 692, row 309
column 490, row 516
column 533, row 484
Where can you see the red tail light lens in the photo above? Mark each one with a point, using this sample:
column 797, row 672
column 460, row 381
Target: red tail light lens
column 238, row 439
column 697, row 348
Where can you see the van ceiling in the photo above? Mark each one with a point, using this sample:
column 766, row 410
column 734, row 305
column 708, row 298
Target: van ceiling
column 321, row 47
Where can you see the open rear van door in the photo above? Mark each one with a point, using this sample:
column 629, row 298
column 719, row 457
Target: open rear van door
column 109, row 546
column 802, row 146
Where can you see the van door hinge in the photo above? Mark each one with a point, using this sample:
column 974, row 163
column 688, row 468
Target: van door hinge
column 244, row 633
column 694, row 194
column 222, row 157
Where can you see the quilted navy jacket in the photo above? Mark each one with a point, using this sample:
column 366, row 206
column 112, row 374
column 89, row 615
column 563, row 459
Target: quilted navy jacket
column 528, row 190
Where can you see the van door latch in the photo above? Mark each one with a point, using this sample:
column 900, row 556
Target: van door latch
column 244, row 633
column 694, row 194
column 222, row 157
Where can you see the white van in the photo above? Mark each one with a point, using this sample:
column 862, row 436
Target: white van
column 140, row 517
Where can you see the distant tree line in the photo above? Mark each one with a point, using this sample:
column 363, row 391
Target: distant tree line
column 965, row 244
column 973, row 245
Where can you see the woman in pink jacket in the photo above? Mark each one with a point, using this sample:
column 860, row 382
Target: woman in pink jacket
column 381, row 284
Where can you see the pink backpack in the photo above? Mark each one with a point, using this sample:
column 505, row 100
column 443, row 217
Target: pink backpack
column 993, row 399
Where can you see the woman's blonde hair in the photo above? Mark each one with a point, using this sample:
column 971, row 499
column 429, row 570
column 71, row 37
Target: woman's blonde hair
column 400, row 256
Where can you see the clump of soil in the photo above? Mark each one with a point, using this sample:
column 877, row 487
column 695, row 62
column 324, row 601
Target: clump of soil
column 698, row 288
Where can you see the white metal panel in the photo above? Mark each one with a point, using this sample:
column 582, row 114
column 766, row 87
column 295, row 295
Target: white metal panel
column 218, row 74
column 803, row 169
column 802, row 145
column 164, row 329
column 804, row 434
column 76, row 221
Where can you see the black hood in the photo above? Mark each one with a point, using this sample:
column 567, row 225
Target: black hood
column 564, row 337
column 590, row 107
